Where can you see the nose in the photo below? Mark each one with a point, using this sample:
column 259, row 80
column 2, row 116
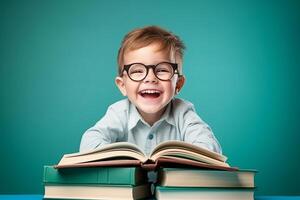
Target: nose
column 151, row 77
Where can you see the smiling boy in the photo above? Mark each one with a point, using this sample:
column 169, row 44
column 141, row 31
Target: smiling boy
column 150, row 75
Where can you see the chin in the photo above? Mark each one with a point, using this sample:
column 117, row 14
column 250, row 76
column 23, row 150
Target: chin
column 151, row 109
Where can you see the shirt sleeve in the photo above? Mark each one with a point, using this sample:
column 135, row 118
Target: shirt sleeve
column 107, row 130
column 197, row 132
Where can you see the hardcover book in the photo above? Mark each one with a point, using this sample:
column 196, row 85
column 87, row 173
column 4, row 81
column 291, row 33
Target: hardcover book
column 194, row 193
column 128, row 154
column 178, row 177
column 95, row 175
column 108, row 192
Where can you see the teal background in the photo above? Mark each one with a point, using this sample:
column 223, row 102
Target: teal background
column 58, row 63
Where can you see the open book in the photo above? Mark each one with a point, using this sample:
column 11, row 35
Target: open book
column 166, row 153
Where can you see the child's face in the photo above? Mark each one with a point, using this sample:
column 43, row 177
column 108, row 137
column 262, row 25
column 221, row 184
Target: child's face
column 151, row 95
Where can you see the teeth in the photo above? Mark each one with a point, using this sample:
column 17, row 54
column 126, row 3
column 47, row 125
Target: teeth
column 150, row 91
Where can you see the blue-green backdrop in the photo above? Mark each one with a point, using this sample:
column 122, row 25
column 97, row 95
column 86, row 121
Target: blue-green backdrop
column 58, row 63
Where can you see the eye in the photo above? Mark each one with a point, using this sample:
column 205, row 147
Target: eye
column 137, row 69
column 164, row 68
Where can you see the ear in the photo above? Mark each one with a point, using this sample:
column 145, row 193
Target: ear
column 121, row 85
column 179, row 84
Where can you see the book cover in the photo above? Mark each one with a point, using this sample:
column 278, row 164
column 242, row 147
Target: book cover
column 95, row 175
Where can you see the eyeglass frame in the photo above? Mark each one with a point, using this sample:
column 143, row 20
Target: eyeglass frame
column 173, row 65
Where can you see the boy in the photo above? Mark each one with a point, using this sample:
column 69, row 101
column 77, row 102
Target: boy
column 150, row 75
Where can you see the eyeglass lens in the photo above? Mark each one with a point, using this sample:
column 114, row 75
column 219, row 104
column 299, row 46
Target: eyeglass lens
column 163, row 71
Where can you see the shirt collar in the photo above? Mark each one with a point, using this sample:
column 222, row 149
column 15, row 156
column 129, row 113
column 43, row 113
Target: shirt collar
column 168, row 115
column 135, row 117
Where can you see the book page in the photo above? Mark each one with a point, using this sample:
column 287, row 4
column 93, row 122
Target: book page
column 110, row 147
column 182, row 153
column 115, row 150
column 172, row 144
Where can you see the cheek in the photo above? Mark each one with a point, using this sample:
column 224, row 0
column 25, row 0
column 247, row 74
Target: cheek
column 174, row 83
column 171, row 87
column 131, row 87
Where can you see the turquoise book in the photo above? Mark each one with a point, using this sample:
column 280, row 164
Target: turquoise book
column 95, row 175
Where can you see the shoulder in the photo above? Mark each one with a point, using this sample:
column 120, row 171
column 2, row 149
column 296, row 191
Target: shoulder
column 120, row 105
column 119, row 108
column 184, row 111
column 181, row 105
column 116, row 115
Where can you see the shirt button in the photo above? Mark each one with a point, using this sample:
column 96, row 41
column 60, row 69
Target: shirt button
column 150, row 137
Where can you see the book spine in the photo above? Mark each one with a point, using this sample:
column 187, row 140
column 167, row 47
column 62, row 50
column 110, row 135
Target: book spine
column 93, row 175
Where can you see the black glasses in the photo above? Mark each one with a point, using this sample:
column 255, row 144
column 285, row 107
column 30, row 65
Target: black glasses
column 164, row 71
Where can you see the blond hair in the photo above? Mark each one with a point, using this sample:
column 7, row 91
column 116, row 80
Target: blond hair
column 142, row 37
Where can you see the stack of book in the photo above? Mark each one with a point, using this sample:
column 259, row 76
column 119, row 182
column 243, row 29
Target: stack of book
column 95, row 183
column 119, row 171
column 179, row 183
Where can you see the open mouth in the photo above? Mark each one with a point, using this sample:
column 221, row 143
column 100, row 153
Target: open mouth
column 150, row 93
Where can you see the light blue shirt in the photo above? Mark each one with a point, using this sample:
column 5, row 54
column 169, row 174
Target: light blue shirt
column 122, row 122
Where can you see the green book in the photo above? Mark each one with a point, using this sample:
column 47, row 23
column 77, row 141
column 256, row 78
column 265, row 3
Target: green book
column 95, row 175
column 192, row 177
column 196, row 193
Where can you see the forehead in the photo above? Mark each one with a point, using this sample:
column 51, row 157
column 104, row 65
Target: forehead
column 150, row 54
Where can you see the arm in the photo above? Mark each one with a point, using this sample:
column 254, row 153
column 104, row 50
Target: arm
column 199, row 133
column 195, row 131
column 107, row 130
